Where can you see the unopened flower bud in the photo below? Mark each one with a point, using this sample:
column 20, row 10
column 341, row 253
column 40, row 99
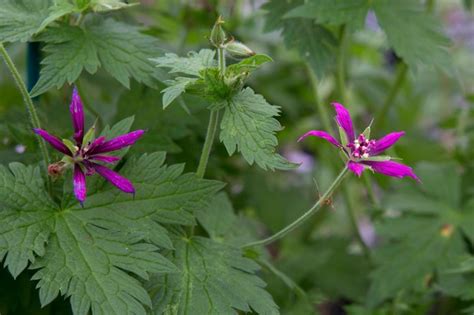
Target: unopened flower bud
column 238, row 50
column 218, row 35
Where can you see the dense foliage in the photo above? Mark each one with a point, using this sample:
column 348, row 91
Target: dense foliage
column 212, row 206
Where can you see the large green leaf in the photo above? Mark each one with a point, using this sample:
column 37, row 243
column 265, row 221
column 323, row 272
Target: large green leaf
column 91, row 253
column 314, row 43
column 214, row 279
column 415, row 35
column 117, row 47
column 249, row 126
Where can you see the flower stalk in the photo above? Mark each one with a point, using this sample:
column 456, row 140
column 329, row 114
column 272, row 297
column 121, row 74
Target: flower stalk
column 35, row 122
column 303, row 218
column 213, row 121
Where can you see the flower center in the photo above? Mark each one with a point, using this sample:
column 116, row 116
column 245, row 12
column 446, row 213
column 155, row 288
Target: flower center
column 360, row 148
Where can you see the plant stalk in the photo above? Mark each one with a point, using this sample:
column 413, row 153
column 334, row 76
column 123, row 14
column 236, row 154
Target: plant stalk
column 33, row 115
column 289, row 228
column 212, row 126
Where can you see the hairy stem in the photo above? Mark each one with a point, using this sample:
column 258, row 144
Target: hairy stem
column 35, row 122
column 206, row 150
column 310, row 212
column 213, row 121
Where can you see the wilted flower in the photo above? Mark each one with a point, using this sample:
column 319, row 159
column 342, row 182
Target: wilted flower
column 360, row 152
column 86, row 154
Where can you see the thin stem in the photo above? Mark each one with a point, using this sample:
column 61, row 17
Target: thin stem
column 392, row 94
column 280, row 234
column 212, row 126
column 87, row 105
column 221, row 60
column 206, row 150
column 35, row 122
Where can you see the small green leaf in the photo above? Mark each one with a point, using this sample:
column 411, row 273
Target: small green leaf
column 109, row 5
column 70, row 145
column 343, row 137
column 249, row 126
column 248, row 64
column 175, row 89
column 193, row 64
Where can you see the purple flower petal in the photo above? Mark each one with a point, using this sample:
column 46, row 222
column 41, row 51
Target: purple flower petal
column 79, row 181
column 343, row 118
column 320, row 134
column 118, row 142
column 386, row 142
column 105, row 158
column 114, row 178
column 96, row 143
column 54, row 141
column 391, row 168
column 356, row 168
column 77, row 115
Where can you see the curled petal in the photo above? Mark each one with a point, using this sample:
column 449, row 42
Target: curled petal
column 391, row 168
column 105, row 158
column 356, row 168
column 118, row 142
column 386, row 142
column 320, row 134
column 344, row 120
column 53, row 141
column 114, row 178
column 79, row 181
column 77, row 115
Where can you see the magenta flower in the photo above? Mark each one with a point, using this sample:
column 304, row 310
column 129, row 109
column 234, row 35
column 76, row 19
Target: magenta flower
column 85, row 156
column 361, row 152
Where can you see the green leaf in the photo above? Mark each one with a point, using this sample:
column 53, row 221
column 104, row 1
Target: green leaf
column 109, row 5
column 335, row 12
column 314, row 43
column 249, row 127
column 415, row 35
column 214, row 279
column 19, row 19
column 27, row 216
column 117, row 47
column 248, row 64
column 92, row 253
column 175, row 89
column 193, row 64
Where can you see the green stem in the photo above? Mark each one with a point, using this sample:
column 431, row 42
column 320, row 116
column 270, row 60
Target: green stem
column 206, row 150
column 289, row 228
column 341, row 89
column 221, row 60
column 212, row 126
column 35, row 122
column 87, row 105
column 392, row 94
